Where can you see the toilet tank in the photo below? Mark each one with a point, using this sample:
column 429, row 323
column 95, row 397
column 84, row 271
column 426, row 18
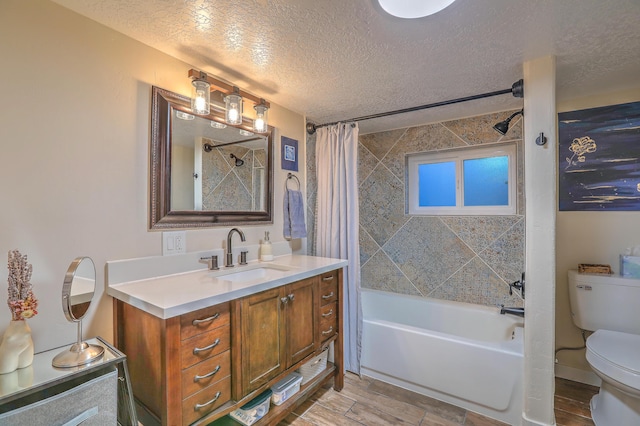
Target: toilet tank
column 604, row 302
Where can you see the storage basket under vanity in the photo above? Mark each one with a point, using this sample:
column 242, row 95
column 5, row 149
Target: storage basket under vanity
column 314, row 366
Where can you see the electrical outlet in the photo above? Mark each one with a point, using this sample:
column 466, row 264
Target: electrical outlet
column 179, row 243
column 174, row 242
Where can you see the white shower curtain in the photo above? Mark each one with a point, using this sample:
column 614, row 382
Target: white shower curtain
column 338, row 221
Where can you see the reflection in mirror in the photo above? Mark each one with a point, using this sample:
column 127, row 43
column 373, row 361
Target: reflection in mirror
column 203, row 172
column 77, row 291
column 216, row 169
column 82, row 287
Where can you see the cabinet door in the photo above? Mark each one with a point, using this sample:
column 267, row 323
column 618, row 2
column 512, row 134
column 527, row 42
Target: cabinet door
column 263, row 338
column 301, row 319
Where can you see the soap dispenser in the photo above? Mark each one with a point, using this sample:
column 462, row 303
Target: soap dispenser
column 265, row 248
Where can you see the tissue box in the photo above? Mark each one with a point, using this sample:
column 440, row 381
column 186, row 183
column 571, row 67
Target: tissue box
column 630, row 266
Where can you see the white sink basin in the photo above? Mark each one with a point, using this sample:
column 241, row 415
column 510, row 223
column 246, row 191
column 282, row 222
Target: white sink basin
column 255, row 273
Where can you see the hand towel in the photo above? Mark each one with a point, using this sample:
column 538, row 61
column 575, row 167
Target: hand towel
column 294, row 224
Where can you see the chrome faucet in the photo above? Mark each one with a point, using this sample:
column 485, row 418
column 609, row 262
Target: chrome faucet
column 229, row 262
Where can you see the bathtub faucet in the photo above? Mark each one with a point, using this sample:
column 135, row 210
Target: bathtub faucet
column 513, row 311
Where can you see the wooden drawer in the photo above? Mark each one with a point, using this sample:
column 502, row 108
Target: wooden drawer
column 205, row 345
column 329, row 312
column 205, row 373
column 328, row 288
column 203, row 320
column 205, row 401
column 328, row 321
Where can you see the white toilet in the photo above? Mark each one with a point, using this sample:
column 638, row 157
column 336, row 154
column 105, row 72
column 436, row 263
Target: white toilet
column 610, row 306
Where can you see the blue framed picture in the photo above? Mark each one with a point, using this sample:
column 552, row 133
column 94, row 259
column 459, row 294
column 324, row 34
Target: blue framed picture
column 289, row 154
column 599, row 161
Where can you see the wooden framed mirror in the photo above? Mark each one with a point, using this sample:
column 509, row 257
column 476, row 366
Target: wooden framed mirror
column 204, row 173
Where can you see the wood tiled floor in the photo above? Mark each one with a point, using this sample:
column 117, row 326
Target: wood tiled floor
column 370, row 402
column 572, row 403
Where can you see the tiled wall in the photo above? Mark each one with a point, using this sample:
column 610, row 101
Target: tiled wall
column 463, row 258
column 226, row 186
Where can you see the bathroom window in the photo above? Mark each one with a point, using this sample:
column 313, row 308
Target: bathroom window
column 475, row 181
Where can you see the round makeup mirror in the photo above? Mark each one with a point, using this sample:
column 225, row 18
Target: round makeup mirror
column 77, row 292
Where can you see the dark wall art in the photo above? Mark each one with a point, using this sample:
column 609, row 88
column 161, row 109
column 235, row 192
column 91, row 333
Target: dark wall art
column 599, row 164
column 289, row 154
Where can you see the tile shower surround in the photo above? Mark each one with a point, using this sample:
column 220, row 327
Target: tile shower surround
column 462, row 258
column 226, row 186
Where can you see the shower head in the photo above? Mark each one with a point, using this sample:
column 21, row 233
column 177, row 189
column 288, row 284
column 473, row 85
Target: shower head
column 503, row 126
column 239, row 162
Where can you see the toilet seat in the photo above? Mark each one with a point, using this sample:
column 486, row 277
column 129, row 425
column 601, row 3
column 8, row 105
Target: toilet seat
column 615, row 355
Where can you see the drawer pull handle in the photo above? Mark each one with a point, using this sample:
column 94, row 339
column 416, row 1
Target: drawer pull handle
column 211, row 318
column 291, row 297
column 329, row 331
column 206, row 348
column 328, row 314
column 284, row 300
column 328, row 278
column 206, row 376
column 215, row 398
column 328, row 296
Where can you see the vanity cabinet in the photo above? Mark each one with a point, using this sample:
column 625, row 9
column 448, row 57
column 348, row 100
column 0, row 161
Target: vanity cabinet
column 195, row 368
column 278, row 329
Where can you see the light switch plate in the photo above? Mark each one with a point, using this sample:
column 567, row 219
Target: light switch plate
column 174, row 242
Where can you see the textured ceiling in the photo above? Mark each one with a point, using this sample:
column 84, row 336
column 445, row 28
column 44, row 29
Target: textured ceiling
column 339, row 59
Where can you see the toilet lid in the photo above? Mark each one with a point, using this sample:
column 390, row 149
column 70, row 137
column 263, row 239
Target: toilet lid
column 619, row 349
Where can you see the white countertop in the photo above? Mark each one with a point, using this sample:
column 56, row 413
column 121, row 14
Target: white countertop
column 171, row 295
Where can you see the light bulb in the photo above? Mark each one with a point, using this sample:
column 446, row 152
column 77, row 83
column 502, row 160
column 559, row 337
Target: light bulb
column 233, row 112
column 200, row 101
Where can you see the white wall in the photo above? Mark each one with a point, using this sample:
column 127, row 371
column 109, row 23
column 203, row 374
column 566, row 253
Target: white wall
column 74, row 131
column 182, row 182
column 588, row 237
column 540, row 190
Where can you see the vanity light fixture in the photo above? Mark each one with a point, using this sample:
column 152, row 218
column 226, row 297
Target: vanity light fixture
column 218, row 125
column 233, row 105
column 233, row 99
column 201, row 94
column 245, row 132
column 261, row 122
column 503, row 126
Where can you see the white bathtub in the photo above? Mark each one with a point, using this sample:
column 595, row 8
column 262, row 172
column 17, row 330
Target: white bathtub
column 467, row 355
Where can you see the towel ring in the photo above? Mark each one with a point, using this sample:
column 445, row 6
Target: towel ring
column 289, row 177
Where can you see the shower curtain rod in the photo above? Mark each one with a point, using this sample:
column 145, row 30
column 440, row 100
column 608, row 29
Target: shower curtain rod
column 517, row 89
